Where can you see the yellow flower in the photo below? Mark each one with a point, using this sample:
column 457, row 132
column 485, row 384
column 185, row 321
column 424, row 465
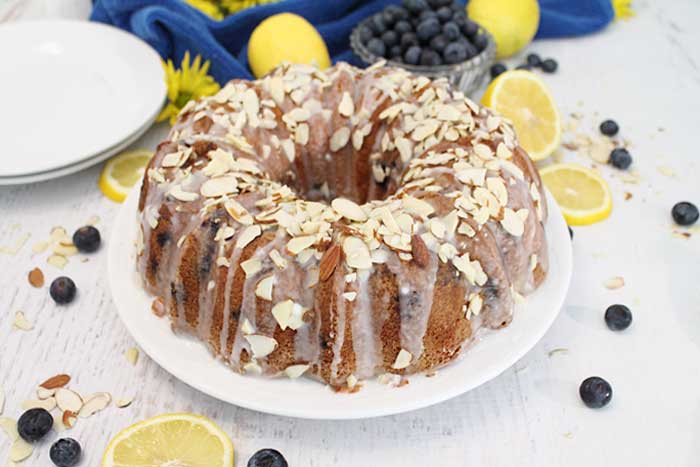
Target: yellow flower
column 623, row 9
column 185, row 84
column 232, row 6
column 207, row 7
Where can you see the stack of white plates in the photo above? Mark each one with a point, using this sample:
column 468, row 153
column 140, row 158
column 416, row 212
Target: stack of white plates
column 74, row 94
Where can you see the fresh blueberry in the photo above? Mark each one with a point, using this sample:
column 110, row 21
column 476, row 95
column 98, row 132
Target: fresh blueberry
column 427, row 14
column 401, row 13
column 620, row 158
column 396, row 53
column 455, row 53
column 409, row 39
column 549, row 65
column 428, row 29
column 365, row 34
column 429, row 57
column 497, row 69
column 65, row 452
column 460, row 19
column 390, row 15
column 595, row 392
column 524, row 66
column 376, row 23
column 34, row 424
column 376, row 46
column 412, row 55
column 390, row 39
column 444, row 14
column 438, row 43
column 451, row 31
column 609, row 128
column 62, row 290
column 470, row 28
column 571, row 233
column 403, row 26
column 534, row 60
column 267, row 458
column 685, row 213
column 618, row 317
column 87, row 239
column 415, row 6
column 480, row 42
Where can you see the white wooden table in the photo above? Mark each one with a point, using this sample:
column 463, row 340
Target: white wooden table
column 645, row 73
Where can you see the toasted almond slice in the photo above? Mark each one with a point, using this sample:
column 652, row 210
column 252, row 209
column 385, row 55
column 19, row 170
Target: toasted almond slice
column 247, row 235
column 124, row 403
column 251, row 266
column 94, row 404
column 68, row 419
column 614, row 283
column 20, row 450
column 339, row 139
column 352, row 381
column 403, row 359
column 512, row 222
column 349, row 209
column 417, row 206
column 297, row 244
column 295, row 371
column 9, row 426
column 282, row 312
column 47, row 404
column 264, row 288
column 252, row 368
column 346, row 107
column 357, row 253
column 43, row 393
column 36, row 278
column 261, row 346
column 22, row 323
column 132, row 355
column 247, row 327
column 68, row 400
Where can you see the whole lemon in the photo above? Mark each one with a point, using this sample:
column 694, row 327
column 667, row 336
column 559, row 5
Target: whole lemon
column 285, row 37
column 512, row 23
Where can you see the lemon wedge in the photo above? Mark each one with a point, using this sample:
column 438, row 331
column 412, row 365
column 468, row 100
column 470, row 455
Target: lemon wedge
column 181, row 439
column 583, row 195
column 523, row 98
column 122, row 172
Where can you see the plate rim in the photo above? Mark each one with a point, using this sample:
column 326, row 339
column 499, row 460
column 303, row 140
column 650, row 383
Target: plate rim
column 454, row 390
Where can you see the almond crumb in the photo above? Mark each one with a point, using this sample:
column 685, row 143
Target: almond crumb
column 614, row 283
column 132, row 355
column 36, row 278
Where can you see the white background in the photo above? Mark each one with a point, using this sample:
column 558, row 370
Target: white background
column 645, row 73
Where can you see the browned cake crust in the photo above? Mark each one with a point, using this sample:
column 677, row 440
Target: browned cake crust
column 341, row 224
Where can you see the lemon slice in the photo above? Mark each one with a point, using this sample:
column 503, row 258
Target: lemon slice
column 181, row 439
column 523, row 98
column 122, row 172
column 583, row 195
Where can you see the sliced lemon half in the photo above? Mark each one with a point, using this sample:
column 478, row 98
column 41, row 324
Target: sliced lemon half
column 180, row 439
column 581, row 193
column 122, row 172
column 524, row 99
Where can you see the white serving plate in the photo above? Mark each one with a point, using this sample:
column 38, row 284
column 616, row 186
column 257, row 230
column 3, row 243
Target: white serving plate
column 191, row 362
column 75, row 90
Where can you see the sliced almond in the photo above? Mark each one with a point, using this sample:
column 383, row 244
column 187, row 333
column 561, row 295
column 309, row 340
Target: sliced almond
column 9, row 426
column 248, row 234
column 48, row 404
column 251, row 266
column 512, row 223
column 95, row 403
column 43, row 393
column 340, row 138
column 297, row 244
column 20, row 450
column 346, row 108
column 68, row 419
column 261, row 346
column 349, row 209
column 614, row 283
column 215, row 187
column 247, row 327
column 36, row 278
column 124, row 403
column 295, row 371
column 403, row 359
column 264, row 288
column 132, row 355
column 282, row 312
column 21, row 322
column 417, row 206
column 68, row 400
column 329, row 261
column 357, row 253
column 252, row 368
column 277, row 258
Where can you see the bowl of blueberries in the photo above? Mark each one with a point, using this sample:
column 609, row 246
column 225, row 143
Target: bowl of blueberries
column 433, row 38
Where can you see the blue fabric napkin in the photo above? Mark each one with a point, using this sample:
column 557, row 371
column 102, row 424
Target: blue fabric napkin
column 172, row 27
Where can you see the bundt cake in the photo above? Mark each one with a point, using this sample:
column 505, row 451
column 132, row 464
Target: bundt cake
column 340, row 224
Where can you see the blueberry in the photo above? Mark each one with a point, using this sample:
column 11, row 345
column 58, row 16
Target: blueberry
column 524, row 66
column 390, row 39
column 403, row 26
column 365, row 34
column 549, row 65
column 451, row 31
column 460, row 19
column 470, row 28
column 390, row 15
column 376, row 23
column 444, row 14
column 455, row 53
column 396, row 53
column 65, row 452
column 609, row 128
column 685, row 213
column 376, row 46
column 620, row 158
column 412, row 55
column 34, row 424
column 457, row 7
column 480, row 42
column 618, row 317
column 438, row 43
column 62, row 290
column 427, row 14
column 571, row 233
column 267, row 458
column 595, row 392
column 415, row 6
column 87, row 239
column 409, row 39
column 534, row 60
column 428, row 29
column 497, row 69
column 429, row 57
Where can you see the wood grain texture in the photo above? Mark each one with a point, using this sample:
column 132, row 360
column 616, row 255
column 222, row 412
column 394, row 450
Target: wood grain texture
column 645, row 73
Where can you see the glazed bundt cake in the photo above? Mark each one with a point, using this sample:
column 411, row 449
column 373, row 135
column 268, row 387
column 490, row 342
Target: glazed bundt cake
column 341, row 224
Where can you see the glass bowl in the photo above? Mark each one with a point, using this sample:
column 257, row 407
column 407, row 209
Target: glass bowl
column 466, row 76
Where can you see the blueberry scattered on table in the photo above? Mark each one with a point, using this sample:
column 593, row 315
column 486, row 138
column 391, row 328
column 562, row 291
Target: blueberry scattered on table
column 618, row 317
column 34, row 424
column 87, row 239
column 549, row 65
column 497, row 69
column 609, row 128
column 65, row 452
column 685, row 213
column 62, row 290
column 534, row 60
column 595, row 392
column 267, row 458
column 620, row 158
